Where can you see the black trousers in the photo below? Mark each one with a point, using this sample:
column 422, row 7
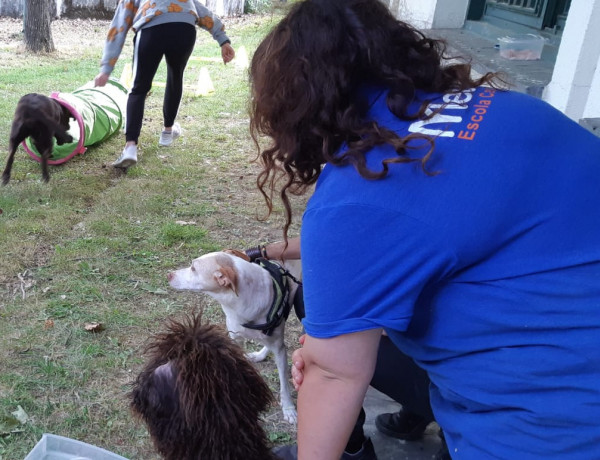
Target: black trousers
column 397, row 376
column 175, row 41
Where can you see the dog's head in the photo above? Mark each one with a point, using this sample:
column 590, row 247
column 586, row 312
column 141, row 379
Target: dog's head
column 212, row 273
column 65, row 117
column 62, row 116
column 200, row 397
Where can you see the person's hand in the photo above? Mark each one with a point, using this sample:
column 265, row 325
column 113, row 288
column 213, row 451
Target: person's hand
column 256, row 252
column 298, row 365
column 227, row 52
column 101, row 79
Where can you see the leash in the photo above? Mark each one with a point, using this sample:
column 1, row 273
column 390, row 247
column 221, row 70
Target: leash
column 280, row 308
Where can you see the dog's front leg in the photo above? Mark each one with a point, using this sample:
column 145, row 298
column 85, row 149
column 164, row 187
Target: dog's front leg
column 9, row 163
column 17, row 135
column 45, row 156
column 287, row 404
column 44, row 143
column 237, row 338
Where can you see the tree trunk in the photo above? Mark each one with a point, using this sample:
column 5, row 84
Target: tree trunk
column 36, row 21
column 224, row 8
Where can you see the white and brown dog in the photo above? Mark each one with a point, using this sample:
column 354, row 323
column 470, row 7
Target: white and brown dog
column 256, row 300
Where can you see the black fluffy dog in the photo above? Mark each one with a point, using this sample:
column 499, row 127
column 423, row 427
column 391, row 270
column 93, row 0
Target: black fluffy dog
column 41, row 118
column 200, row 397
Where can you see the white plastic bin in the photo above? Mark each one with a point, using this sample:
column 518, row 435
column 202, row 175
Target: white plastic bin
column 53, row 447
column 527, row 47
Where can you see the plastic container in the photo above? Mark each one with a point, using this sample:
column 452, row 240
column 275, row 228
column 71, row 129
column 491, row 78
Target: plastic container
column 527, row 47
column 53, row 447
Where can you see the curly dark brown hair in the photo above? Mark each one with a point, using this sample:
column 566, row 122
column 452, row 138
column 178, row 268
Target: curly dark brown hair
column 200, row 397
column 305, row 78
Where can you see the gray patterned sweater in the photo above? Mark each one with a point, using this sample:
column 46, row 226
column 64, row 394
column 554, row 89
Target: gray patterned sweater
column 137, row 14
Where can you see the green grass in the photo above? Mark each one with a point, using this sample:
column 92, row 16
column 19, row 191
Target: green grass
column 94, row 245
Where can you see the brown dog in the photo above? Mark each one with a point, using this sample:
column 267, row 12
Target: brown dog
column 41, row 118
column 200, row 397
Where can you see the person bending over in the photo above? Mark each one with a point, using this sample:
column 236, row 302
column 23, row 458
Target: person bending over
column 461, row 219
column 396, row 375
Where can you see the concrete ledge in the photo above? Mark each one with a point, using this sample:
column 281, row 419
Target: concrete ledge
column 529, row 77
column 591, row 124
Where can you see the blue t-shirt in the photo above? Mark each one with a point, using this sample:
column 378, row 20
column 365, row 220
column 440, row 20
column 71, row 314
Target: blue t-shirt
column 487, row 274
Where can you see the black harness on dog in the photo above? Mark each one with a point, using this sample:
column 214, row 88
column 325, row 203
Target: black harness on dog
column 281, row 306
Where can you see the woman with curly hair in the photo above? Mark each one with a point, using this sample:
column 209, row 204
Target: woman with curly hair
column 460, row 219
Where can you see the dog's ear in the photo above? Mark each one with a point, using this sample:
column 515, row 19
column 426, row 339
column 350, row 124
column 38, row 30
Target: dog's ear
column 226, row 277
column 235, row 252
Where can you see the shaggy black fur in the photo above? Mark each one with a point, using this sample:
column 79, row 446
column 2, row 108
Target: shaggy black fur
column 200, row 397
column 41, row 118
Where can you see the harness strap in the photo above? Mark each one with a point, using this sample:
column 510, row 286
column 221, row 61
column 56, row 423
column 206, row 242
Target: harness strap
column 280, row 308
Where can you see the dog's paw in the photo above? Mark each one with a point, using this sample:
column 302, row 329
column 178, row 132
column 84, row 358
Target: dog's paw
column 290, row 415
column 253, row 357
column 258, row 356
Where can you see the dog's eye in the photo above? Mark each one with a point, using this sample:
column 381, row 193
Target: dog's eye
column 192, row 268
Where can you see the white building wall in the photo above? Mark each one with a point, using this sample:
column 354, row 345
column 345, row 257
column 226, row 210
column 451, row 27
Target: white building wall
column 450, row 14
column 426, row 14
column 592, row 108
column 575, row 79
column 418, row 13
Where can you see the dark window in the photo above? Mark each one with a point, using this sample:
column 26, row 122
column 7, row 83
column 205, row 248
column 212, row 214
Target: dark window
column 537, row 14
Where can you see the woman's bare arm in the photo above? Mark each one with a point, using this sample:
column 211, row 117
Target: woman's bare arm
column 336, row 375
column 277, row 250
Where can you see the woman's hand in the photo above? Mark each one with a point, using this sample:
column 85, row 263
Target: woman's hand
column 101, row 79
column 227, row 52
column 298, row 365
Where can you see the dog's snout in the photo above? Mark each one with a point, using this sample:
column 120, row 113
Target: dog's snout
column 170, row 276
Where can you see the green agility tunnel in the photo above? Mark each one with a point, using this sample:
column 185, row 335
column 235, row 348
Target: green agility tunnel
column 98, row 113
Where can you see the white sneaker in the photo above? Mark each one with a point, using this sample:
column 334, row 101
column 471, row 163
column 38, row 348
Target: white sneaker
column 167, row 137
column 128, row 157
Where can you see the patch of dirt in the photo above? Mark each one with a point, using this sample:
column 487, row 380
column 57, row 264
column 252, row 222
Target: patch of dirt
column 23, row 283
column 70, row 36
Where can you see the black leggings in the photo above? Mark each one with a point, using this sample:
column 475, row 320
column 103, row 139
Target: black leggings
column 397, row 376
column 173, row 40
